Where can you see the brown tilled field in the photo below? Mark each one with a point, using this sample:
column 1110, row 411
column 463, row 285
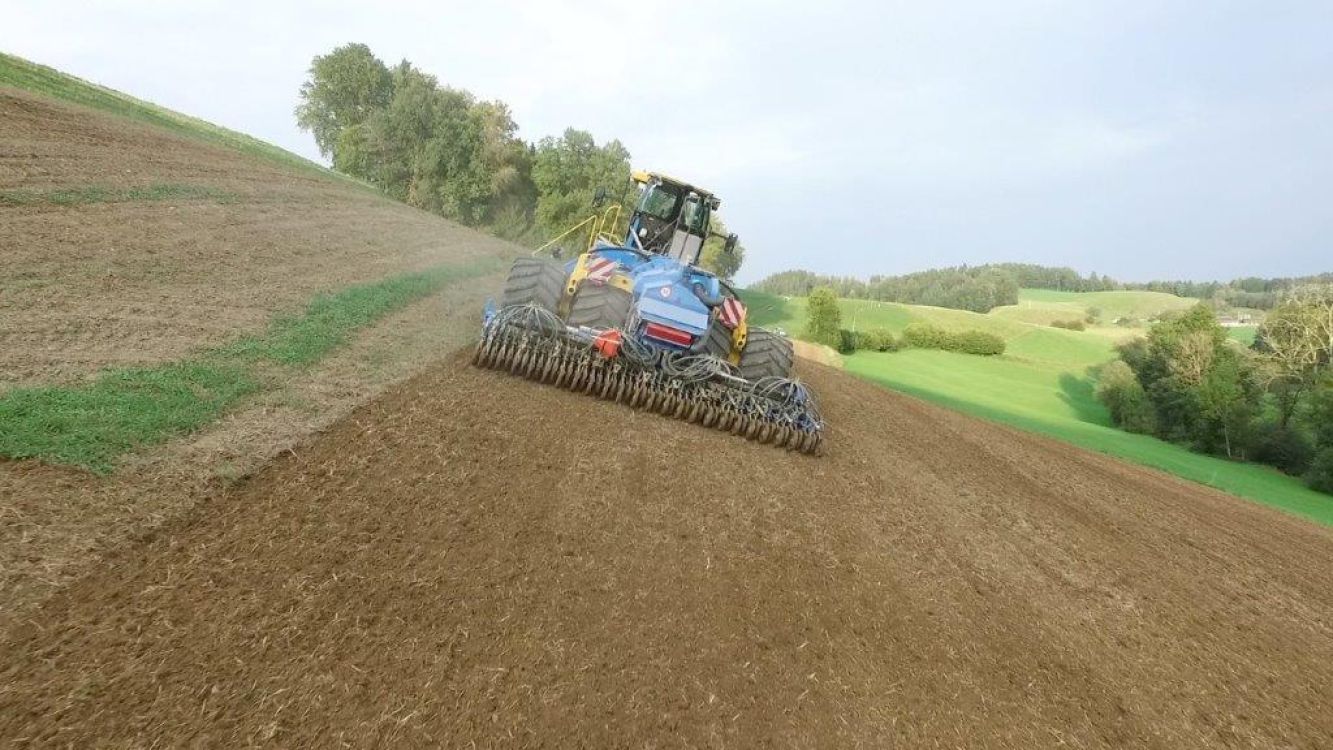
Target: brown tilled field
column 468, row 559
column 476, row 560
column 100, row 284
column 117, row 283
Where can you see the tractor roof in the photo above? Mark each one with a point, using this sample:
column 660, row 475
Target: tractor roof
column 644, row 176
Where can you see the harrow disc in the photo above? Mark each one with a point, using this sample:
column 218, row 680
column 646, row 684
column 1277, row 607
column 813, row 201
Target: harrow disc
column 527, row 344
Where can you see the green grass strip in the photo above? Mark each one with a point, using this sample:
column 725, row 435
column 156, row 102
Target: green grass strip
column 99, row 194
column 329, row 319
column 123, row 410
column 92, row 425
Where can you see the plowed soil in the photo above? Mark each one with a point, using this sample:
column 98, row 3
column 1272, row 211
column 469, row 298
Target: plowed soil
column 140, row 282
column 478, row 561
column 101, row 284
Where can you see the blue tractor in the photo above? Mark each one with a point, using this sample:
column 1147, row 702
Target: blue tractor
column 635, row 319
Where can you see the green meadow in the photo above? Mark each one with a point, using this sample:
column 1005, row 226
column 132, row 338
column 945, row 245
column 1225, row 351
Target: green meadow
column 1044, row 382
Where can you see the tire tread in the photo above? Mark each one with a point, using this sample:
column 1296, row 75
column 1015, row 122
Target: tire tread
column 766, row 354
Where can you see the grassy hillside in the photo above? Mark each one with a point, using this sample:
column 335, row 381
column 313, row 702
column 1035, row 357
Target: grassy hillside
column 29, row 76
column 1043, row 383
column 1119, row 315
column 1024, row 341
column 1112, row 305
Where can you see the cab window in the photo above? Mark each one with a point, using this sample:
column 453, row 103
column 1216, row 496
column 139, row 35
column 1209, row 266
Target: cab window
column 695, row 216
column 660, row 202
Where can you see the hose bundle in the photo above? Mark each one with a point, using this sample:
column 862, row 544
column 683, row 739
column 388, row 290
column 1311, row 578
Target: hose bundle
column 532, row 342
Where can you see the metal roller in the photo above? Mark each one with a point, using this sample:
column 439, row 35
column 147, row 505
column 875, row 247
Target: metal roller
column 773, row 411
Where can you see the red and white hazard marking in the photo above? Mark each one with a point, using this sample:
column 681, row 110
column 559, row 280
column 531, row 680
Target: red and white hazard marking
column 733, row 312
column 600, row 269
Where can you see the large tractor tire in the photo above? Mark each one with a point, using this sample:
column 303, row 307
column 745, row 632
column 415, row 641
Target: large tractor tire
column 535, row 281
column 599, row 306
column 766, row 354
column 719, row 340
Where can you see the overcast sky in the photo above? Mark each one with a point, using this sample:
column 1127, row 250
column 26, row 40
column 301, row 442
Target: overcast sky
column 1139, row 139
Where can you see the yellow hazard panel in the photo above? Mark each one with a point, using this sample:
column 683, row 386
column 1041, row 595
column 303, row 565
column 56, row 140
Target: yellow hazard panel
column 618, row 280
column 738, row 336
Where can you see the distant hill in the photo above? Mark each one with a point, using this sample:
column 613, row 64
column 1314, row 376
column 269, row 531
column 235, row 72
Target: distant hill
column 985, row 287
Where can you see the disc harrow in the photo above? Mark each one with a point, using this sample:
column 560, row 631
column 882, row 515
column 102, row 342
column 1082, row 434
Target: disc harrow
column 530, row 342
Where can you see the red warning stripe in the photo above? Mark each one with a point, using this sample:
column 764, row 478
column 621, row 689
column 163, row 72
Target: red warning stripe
column 733, row 312
column 600, row 270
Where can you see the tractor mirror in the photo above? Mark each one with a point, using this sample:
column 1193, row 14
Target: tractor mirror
column 599, row 197
column 729, row 246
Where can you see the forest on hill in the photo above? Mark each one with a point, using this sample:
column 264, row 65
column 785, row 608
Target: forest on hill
column 982, row 288
column 442, row 150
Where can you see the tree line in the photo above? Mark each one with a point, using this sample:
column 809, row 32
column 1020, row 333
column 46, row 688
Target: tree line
column 978, row 288
column 1272, row 403
column 1252, row 291
column 981, row 288
column 441, row 149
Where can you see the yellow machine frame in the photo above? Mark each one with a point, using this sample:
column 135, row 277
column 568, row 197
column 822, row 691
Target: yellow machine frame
column 599, row 226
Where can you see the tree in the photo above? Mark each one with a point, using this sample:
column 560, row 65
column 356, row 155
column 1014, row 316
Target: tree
column 344, row 89
column 1176, row 406
column 1201, row 388
column 439, row 149
column 1188, row 344
column 508, row 162
column 823, row 318
column 1122, row 394
column 1320, row 475
column 1284, row 447
column 568, row 171
column 1296, row 342
column 1226, row 398
column 1321, row 412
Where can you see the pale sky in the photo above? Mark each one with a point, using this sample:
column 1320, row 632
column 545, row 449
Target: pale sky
column 1139, row 139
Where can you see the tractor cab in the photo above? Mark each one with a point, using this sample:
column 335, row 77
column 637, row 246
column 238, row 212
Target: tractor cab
column 672, row 218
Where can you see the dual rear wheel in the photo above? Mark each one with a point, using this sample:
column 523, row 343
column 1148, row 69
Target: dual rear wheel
column 541, row 282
